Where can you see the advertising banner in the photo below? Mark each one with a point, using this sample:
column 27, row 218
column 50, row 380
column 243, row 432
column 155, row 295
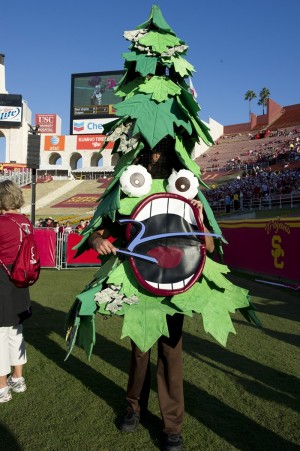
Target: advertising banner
column 89, row 257
column 263, row 247
column 46, row 123
column 92, row 142
column 88, row 126
column 54, row 143
column 46, row 242
column 10, row 114
column 10, row 110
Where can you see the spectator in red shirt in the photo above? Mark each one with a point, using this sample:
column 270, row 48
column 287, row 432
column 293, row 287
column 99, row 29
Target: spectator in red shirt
column 14, row 301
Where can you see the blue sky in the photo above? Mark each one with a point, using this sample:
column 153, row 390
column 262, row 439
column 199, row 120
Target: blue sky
column 234, row 46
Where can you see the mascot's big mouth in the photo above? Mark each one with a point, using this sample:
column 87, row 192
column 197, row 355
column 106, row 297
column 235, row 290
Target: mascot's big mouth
column 179, row 266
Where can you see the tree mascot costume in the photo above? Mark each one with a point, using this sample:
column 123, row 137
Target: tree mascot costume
column 162, row 268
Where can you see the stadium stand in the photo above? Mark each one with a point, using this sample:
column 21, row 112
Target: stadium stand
column 235, row 152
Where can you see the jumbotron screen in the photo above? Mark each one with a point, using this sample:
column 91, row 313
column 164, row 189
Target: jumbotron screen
column 93, row 96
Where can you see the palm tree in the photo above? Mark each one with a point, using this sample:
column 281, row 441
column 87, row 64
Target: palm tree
column 264, row 95
column 250, row 95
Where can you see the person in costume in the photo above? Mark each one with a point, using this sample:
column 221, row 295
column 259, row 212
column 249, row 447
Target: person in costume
column 154, row 229
column 169, row 366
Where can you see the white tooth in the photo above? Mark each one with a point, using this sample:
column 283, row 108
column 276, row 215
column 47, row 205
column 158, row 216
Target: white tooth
column 154, row 285
column 159, row 206
column 176, row 207
column 170, row 286
column 144, row 213
column 178, row 285
column 186, row 281
column 167, row 205
column 165, row 286
column 183, row 209
column 161, row 286
column 189, row 215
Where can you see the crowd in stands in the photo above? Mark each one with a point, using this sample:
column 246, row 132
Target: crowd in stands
column 280, row 145
column 62, row 227
column 267, row 154
column 257, row 184
column 260, row 180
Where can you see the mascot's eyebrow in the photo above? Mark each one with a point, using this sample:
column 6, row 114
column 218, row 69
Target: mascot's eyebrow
column 138, row 239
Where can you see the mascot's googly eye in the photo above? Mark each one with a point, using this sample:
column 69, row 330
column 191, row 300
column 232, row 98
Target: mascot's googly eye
column 136, row 181
column 183, row 183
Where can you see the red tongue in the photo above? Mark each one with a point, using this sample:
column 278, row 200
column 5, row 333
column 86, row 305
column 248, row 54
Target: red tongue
column 167, row 257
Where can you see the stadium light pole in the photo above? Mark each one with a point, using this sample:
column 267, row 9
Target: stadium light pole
column 33, row 162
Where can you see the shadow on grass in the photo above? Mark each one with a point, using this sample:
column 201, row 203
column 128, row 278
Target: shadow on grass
column 8, row 440
column 51, row 320
column 269, row 384
column 287, row 300
column 291, row 339
column 233, row 426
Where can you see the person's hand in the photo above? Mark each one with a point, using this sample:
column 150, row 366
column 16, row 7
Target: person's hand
column 101, row 245
column 196, row 203
column 209, row 242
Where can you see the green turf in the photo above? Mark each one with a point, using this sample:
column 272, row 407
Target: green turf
column 244, row 397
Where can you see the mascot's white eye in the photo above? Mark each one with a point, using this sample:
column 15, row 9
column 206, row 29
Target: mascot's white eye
column 136, row 181
column 183, row 183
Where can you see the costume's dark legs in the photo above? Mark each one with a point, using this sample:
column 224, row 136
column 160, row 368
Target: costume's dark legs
column 138, row 388
column 170, row 376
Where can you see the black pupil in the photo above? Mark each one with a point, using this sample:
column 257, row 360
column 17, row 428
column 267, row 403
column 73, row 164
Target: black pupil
column 137, row 179
column 182, row 184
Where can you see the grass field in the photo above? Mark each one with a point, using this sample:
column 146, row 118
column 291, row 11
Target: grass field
column 243, row 397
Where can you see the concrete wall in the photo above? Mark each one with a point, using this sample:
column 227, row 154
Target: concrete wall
column 216, row 131
column 16, row 138
column 70, row 155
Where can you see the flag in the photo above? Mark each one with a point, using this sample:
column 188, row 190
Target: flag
column 193, row 90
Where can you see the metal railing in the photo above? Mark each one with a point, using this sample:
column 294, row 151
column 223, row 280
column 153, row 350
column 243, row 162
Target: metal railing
column 276, row 201
column 21, row 178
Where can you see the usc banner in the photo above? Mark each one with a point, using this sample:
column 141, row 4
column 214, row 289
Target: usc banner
column 263, row 247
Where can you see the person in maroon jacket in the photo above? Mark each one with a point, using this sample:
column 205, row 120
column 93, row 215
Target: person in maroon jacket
column 14, row 302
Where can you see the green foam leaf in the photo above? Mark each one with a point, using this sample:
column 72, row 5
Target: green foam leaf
column 160, row 88
column 181, row 65
column 185, row 158
column 87, row 334
column 214, row 271
column 159, row 42
column 156, row 18
column 129, row 89
column 146, row 322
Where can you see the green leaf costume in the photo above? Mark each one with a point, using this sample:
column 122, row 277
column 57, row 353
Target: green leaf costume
column 156, row 104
